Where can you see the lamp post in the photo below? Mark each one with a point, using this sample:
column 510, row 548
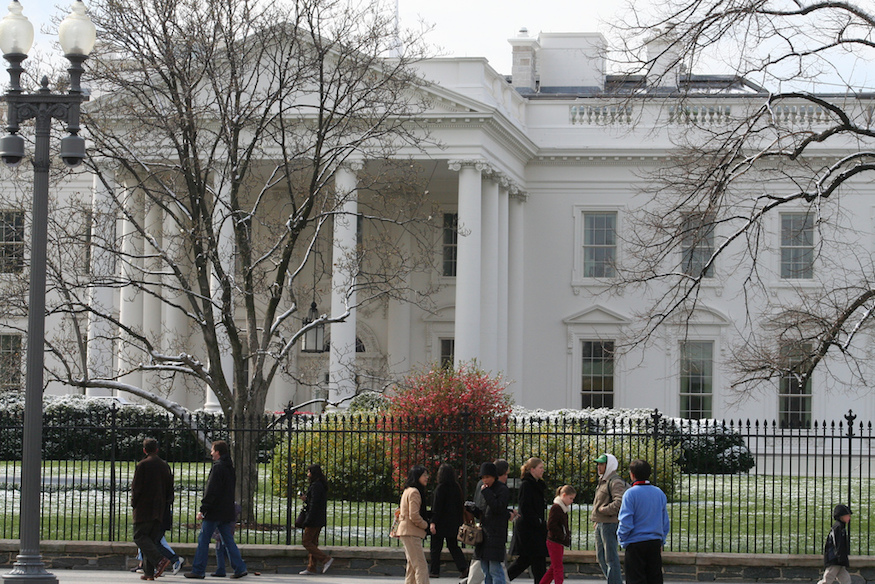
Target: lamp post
column 77, row 35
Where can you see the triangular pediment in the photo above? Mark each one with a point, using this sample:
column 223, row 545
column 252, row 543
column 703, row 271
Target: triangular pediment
column 597, row 315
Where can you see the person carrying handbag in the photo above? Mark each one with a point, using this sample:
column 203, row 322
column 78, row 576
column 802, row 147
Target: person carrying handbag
column 315, row 518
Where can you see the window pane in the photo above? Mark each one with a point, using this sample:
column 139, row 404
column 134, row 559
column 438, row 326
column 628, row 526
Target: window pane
column 794, row 397
column 697, row 245
column 10, row 362
column 450, row 244
column 448, row 348
column 697, row 379
column 11, row 241
column 597, row 374
column 797, row 246
column 599, row 244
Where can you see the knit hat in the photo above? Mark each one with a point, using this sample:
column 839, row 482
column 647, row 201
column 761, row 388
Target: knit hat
column 487, row 469
column 601, row 459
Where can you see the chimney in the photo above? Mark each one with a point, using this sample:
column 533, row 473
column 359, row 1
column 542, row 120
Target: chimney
column 664, row 55
column 525, row 64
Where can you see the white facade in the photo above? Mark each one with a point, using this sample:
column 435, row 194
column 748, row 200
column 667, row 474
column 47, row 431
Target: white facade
column 526, row 166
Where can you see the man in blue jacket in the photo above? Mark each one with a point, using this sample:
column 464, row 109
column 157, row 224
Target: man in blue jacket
column 644, row 525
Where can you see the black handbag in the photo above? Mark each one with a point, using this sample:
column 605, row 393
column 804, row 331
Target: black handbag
column 302, row 516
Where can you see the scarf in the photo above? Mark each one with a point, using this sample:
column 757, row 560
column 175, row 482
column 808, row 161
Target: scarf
column 558, row 501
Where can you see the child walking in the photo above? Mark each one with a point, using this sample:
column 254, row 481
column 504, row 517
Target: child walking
column 837, row 548
column 559, row 534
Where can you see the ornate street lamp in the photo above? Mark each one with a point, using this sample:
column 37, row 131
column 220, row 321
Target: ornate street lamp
column 77, row 35
column 314, row 338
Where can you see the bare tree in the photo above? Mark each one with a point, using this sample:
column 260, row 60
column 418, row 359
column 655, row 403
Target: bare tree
column 745, row 158
column 217, row 130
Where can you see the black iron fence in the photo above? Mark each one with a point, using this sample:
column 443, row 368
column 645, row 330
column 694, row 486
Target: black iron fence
column 743, row 486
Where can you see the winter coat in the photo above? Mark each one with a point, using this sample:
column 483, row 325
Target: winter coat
column 493, row 516
column 151, row 489
column 608, row 494
column 316, row 505
column 530, row 529
column 446, row 509
column 412, row 522
column 838, row 543
column 558, row 530
column 218, row 502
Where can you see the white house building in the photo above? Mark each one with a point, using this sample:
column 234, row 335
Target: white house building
column 536, row 175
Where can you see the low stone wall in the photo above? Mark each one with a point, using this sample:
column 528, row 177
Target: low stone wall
column 380, row 561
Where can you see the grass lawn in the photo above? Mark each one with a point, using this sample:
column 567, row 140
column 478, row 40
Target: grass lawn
column 710, row 513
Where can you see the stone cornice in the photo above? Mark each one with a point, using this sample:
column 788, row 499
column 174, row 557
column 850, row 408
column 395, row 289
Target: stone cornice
column 490, row 172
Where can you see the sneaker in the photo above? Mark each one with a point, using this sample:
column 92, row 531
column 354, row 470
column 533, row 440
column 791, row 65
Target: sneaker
column 306, row 573
column 217, row 575
column 138, row 569
column 177, row 565
column 162, row 565
column 327, row 565
column 193, row 575
column 239, row 575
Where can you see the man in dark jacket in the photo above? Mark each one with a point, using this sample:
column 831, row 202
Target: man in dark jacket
column 837, row 548
column 151, row 494
column 218, row 512
column 493, row 518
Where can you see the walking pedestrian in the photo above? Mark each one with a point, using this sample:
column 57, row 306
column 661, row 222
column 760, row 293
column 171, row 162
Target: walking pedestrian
column 837, row 548
column 413, row 525
column 315, row 518
column 151, row 494
column 218, row 512
column 530, row 528
column 558, row 534
column 493, row 513
column 475, row 568
column 446, row 517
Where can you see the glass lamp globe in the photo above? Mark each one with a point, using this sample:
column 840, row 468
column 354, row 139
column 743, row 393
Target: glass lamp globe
column 16, row 31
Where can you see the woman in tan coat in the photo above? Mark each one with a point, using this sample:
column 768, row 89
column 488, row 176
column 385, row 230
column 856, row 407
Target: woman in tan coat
column 411, row 529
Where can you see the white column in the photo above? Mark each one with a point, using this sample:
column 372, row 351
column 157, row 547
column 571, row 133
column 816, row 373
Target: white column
column 399, row 323
column 131, row 302
column 177, row 337
column 101, row 295
column 515, row 294
column 341, row 360
column 467, row 325
column 502, row 279
column 152, row 264
column 489, row 277
column 225, row 242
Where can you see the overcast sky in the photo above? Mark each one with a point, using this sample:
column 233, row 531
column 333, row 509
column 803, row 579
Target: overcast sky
column 481, row 28
column 472, row 28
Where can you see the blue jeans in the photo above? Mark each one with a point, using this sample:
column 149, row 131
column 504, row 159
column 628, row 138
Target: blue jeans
column 494, row 572
column 226, row 530
column 607, row 551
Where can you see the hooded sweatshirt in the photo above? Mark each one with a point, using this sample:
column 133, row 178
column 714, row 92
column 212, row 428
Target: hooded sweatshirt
column 608, row 494
column 838, row 542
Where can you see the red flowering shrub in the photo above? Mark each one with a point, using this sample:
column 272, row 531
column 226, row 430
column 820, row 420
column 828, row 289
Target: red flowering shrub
column 448, row 415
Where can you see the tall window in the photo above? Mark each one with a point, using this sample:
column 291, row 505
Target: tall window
column 450, row 244
column 448, row 350
column 794, row 397
column 797, row 246
column 697, row 379
column 599, row 244
column 10, row 362
column 11, row 241
column 597, row 374
column 697, row 245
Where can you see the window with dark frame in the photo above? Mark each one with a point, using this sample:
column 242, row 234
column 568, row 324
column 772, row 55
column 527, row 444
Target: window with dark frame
column 11, row 241
column 448, row 350
column 597, row 374
column 450, row 244
column 10, row 362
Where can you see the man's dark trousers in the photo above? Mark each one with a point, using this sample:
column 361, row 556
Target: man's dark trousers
column 145, row 536
column 644, row 562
